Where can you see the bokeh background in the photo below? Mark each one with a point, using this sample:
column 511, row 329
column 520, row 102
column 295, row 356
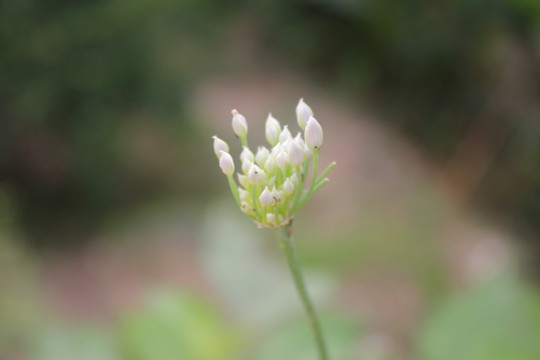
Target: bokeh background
column 119, row 239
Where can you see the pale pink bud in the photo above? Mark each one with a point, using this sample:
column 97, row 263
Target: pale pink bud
column 296, row 153
column 273, row 130
column 220, row 145
column 256, row 175
column 246, row 154
column 262, row 155
column 226, row 163
column 285, row 135
column 239, row 124
column 313, row 134
column 303, row 113
column 266, row 197
column 282, row 160
column 288, row 187
column 246, row 164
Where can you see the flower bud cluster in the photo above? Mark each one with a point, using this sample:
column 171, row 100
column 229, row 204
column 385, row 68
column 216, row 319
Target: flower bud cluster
column 273, row 180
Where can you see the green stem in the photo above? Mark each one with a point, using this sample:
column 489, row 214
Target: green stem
column 325, row 172
column 254, row 200
column 244, row 141
column 234, row 189
column 286, row 242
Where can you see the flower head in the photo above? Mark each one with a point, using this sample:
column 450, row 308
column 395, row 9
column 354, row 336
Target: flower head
column 273, row 184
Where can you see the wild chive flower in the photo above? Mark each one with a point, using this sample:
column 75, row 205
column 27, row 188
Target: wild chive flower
column 273, row 183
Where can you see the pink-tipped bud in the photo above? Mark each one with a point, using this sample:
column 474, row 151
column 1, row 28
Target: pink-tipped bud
column 239, row 124
column 313, row 134
column 226, row 163
column 303, row 113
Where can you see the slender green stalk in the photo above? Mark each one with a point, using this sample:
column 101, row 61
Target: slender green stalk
column 234, row 189
column 285, row 236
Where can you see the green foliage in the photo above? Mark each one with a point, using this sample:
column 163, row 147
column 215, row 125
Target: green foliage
column 69, row 341
column 18, row 305
column 496, row 321
column 295, row 341
column 175, row 326
column 93, row 103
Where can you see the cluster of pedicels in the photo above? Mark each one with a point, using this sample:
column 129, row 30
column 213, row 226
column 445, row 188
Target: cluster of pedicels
column 273, row 181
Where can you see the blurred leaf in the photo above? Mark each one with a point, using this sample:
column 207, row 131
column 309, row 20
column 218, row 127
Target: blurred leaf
column 174, row 326
column 247, row 268
column 59, row 342
column 295, row 341
column 497, row 321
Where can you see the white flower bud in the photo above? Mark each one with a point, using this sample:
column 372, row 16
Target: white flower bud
column 282, row 160
column 256, row 175
column 262, row 156
column 220, row 145
column 271, row 182
column 246, row 165
column 294, row 179
column 273, row 130
column 303, row 113
column 288, row 187
column 239, row 124
column 271, row 219
column 296, row 153
column 266, row 197
column 226, row 163
column 313, row 134
column 298, row 139
column 243, row 180
column 285, row 135
column 247, row 155
column 244, row 195
column 270, row 164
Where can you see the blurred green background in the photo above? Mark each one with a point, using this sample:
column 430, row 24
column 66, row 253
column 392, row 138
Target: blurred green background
column 118, row 239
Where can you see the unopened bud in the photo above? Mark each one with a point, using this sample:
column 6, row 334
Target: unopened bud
column 313, row 134
column 226, row 163
column 282, row 160
column 262, row 155
column 285, row 135
column 239, row 124
column 246, row 154
column 270, row 164
column 220, row 145
column 273, row 130
column 296, row 153
column 303, row 113
column 288, row 187
column 246, row 165
column 256, row 175
column 266, row 197
column 244, row 195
